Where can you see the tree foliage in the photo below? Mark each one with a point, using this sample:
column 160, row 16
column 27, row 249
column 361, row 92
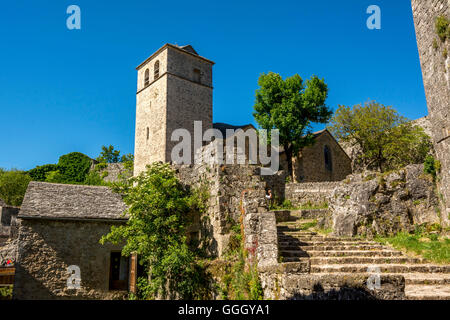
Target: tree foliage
column 291, row 107
column 13, row 185
column 159, row 207
column 109, row 155
column 385, row 139
column 40, row 172
column 72, row 169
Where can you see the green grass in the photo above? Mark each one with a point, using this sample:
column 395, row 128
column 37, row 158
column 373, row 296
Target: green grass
column 427, row 245
column 6, row 293
column 308, row 225
column 287, row 205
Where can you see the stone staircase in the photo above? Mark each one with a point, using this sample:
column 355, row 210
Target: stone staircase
column 334, row 258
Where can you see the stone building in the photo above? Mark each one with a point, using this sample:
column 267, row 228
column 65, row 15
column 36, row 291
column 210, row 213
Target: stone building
column 174, row 89
column 325, row 160
column 435, row 65
column 59, row 233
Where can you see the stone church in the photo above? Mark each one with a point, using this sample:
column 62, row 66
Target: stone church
column 175, row 88
column 60, row 225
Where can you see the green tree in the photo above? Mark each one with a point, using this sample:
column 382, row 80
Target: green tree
column 13, row 185
column 386, row 140
column 109, row 155
column 159, row 208
column 291, row 107
column 72, row 168
column 40, row 172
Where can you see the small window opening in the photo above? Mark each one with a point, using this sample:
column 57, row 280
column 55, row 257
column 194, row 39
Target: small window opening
column 147, row 78
column 156, row 70
column 197, row 75
column 327, row 155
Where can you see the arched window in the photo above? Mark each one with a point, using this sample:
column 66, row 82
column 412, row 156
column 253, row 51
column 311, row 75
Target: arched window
column 328, row 160
column 156, row 69
column 147, row 78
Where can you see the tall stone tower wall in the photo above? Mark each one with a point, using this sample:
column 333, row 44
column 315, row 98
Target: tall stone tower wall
column 435, row 70
column 178, row 96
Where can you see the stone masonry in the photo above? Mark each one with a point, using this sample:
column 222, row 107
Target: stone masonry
column 435, row 70
column 172, row 96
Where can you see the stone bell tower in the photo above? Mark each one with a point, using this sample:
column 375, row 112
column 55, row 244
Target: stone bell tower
column 174, row 89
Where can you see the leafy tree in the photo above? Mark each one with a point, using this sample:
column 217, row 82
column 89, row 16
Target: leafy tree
column 127, row 158
column 158, row 209
column 386, row 139
column 291, row 107
column 13, row 185
column 109, row 155
column 40, row 172
column 72, row 168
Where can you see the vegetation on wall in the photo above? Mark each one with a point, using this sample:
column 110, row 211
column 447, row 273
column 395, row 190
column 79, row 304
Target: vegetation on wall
column 239, row 279
column 432, row 166
column 159, row 210
column 386, row 140
column 442, row 28
column 13, row 185
column 291, row 106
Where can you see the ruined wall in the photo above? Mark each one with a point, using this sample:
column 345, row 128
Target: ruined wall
column 315, row 193
column 46, row 248
column 225, row 184
column 435, row 71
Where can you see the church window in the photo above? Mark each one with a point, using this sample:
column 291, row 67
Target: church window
column 328, row 161
column 118, row 274
column 197, row 75
column 147, row 78
column 156, row 70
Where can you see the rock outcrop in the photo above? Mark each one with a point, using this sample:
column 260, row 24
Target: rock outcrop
column 370, row 203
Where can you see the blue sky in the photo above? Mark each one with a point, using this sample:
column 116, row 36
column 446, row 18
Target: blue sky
column 74, row 90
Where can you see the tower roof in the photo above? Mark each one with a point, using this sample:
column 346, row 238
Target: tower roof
column 186, row 49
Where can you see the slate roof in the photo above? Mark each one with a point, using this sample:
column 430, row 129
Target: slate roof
column 63, row 201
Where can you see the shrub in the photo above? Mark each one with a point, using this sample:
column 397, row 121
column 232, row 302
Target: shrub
column 159, row 208
column 74, row 167
column 13, row 185
column 40, row 172
column 442, row 27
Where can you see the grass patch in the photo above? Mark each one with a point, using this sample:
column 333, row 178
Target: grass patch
column 287, row 205
column 428, row 245
column 308, row 225
column 6, row 293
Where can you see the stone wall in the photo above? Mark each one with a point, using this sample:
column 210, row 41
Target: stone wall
column 436, row 79
column 114, row 171
column 46, row 248
column 8, row 223
column 225, row 184
column 315, row 193
column 310, row 165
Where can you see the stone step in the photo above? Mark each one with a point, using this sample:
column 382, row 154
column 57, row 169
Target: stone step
column 364, row 260
column 339, row 253
column 427, row 292
column 308, row 247
column 292, row 241
column 307, row 237
column 384, row 268
column 410, row 278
